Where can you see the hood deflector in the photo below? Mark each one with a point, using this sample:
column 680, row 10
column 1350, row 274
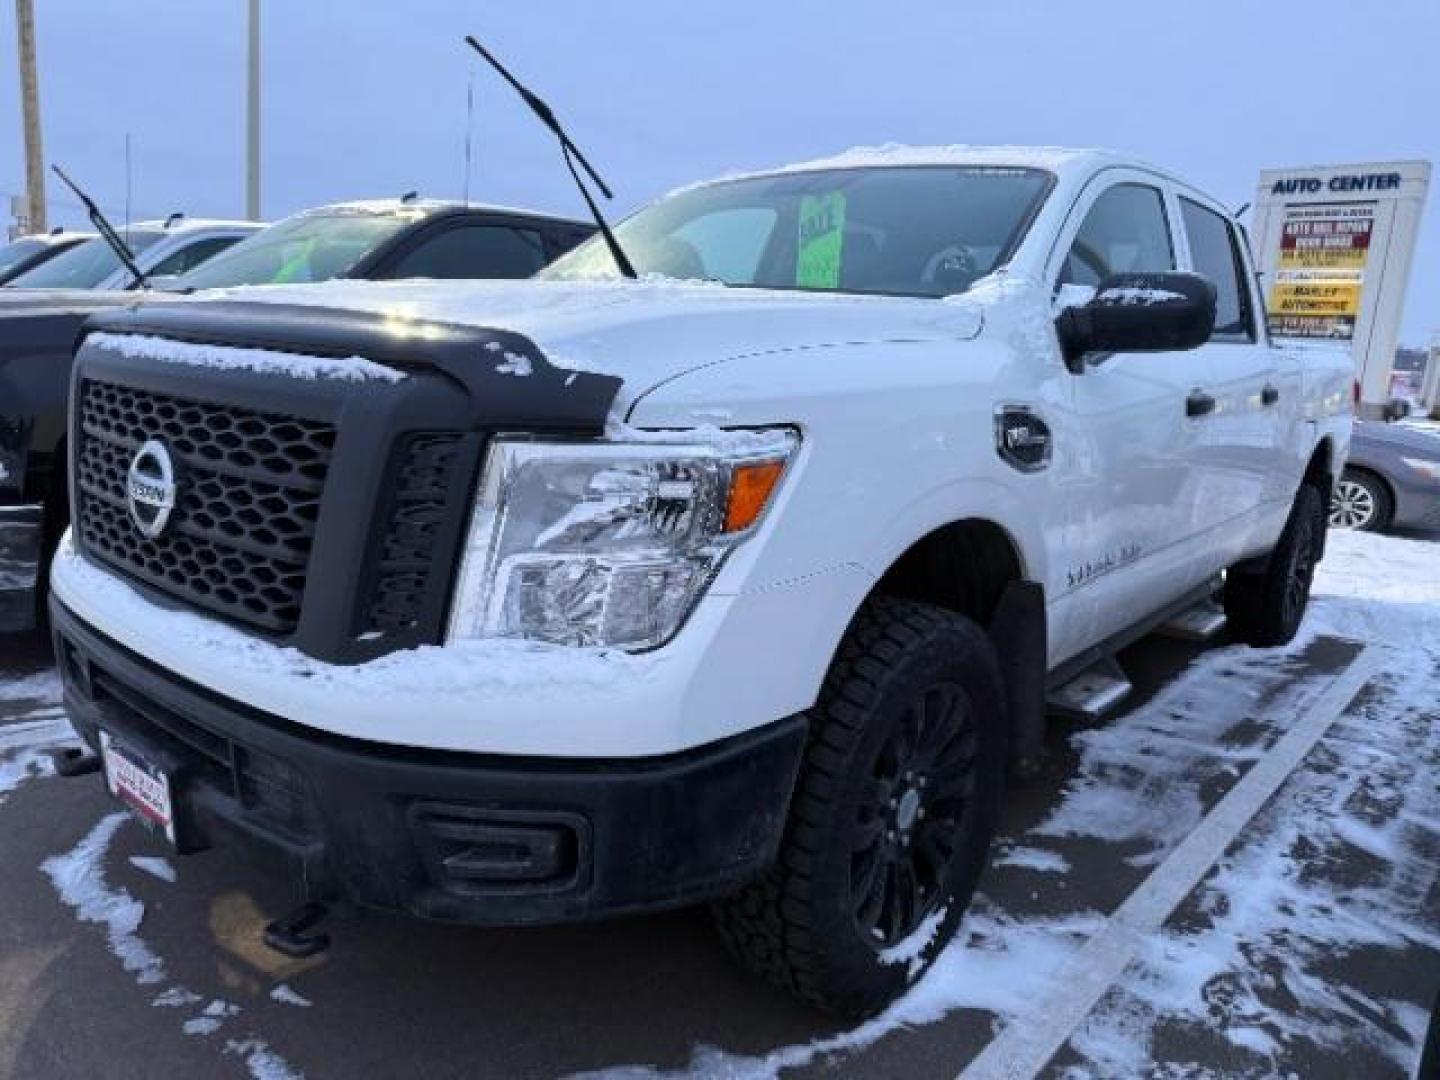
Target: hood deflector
column 548, row 398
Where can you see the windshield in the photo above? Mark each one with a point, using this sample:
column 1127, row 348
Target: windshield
column 85, row 265
column 308, row 247
column 12, row 255
column 908, row 231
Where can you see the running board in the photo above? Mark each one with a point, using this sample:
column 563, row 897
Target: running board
column 1203, row 622
column 1092, row 694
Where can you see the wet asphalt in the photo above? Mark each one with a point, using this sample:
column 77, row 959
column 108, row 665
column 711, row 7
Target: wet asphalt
column 395, row 997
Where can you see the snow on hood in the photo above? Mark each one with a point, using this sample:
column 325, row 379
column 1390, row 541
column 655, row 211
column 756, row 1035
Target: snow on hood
column 642, row 331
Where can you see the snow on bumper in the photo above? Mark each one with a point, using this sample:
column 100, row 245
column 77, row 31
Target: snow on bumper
column 741, row 662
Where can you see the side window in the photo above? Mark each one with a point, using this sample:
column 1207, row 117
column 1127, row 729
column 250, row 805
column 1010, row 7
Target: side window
column 192, row 255
column 475, row 251
column 1214, row 251
column 1125, row 232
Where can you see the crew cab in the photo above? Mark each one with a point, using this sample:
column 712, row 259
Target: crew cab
column 380, row 238
column 741, row 582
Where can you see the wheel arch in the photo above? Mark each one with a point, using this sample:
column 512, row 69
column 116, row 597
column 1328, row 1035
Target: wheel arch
column 974, row 566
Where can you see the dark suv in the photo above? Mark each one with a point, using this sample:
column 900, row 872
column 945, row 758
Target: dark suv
column 378, row 240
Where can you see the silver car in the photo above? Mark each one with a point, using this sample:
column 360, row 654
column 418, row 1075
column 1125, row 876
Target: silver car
column 1391, row 479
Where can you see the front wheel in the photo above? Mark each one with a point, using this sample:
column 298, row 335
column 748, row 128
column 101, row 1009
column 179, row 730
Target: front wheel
column 1264, row 607
column 892, row 817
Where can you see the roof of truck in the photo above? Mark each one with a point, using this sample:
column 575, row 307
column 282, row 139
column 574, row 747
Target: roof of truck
column 1049, row 158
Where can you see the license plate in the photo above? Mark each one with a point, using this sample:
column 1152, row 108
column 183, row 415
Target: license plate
column 139, row 785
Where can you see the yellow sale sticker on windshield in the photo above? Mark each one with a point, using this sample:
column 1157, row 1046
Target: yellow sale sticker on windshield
column 822, row 238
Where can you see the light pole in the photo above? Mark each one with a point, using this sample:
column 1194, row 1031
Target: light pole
column 30, row 104
column 252, row 118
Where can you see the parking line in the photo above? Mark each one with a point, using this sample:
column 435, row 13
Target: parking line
column 1028, row 1043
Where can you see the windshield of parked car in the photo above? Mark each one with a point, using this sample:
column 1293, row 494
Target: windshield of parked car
column 85, row 265
column 13, row 254
column 899, row 230
column 308, row 247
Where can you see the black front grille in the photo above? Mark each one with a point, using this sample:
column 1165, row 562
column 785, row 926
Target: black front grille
column 408, row 552
column 250, row 483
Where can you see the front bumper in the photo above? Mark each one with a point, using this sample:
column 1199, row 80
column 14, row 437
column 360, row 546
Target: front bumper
column 456, row 836
column 22, row 536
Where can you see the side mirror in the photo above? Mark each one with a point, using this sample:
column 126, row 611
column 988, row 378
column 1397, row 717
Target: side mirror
column 1159, row 312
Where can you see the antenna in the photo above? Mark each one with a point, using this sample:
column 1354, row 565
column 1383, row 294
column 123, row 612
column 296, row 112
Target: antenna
column 469, row 132
column 127, row 187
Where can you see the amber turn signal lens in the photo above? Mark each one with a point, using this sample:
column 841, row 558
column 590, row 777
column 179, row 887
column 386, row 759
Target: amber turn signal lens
column 750, row 487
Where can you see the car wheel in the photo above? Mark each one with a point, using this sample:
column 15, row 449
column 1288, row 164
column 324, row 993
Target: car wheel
column 1264, row 607
column 1361, row 502
column 892, row 817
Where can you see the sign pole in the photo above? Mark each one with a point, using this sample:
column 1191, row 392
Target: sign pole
column 30, row 105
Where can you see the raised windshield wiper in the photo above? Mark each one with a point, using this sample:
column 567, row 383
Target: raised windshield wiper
column 572, row 155
column 106, row 230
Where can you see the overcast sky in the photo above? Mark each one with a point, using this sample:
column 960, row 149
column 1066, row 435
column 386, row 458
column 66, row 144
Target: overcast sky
column 366, row 98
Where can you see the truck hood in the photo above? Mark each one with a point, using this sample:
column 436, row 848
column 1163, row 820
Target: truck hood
column 643, row 332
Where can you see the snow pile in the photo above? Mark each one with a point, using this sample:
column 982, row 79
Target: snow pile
column 1139, row 297
column 155, row 866
column 261, row 361
column 79, row 878
column 515, row 364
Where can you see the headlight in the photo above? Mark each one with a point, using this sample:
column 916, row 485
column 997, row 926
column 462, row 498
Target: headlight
column 608, row 544
column 1428, row 469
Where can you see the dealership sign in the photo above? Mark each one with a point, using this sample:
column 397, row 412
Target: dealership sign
column 1335, row 245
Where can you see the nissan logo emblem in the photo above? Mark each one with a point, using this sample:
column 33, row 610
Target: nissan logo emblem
column 150, row 488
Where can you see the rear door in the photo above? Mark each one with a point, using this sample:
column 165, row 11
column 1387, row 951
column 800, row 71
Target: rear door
column 1238, row 455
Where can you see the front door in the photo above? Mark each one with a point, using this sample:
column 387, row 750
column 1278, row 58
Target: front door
column 1127, row 503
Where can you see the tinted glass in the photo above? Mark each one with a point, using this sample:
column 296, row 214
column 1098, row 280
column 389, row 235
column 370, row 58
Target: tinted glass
column 475, row 251
column 192, row 255
column 307, row 247
column 12, row 255
column 1125, row 231
column 1213, row 251
column 912, row 231
column 85, row 265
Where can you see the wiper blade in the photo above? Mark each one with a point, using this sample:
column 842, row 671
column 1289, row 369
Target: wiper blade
column 106, row 230
column 572, row 156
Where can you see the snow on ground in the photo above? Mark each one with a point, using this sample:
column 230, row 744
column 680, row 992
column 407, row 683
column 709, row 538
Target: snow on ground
column 81, row 883
column 1258, row 960
column 37, row 729
column 1343, row 862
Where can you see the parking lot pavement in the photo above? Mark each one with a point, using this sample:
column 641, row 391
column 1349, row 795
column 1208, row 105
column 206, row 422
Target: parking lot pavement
column 1237, row 873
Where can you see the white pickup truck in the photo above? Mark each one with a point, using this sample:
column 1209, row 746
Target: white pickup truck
column 525, row 602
